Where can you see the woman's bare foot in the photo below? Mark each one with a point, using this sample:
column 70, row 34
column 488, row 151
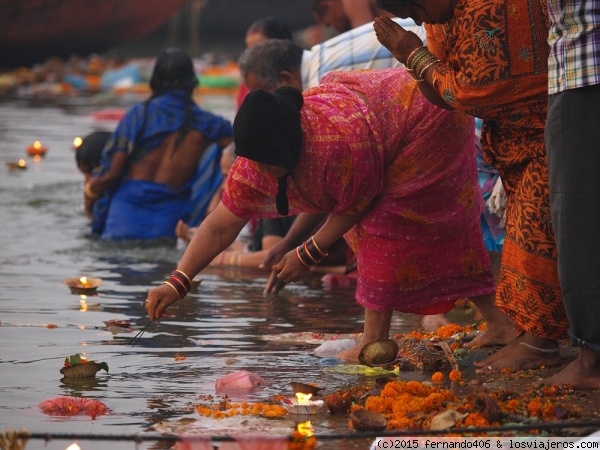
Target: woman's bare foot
column 583, row 373
column 351, row 355
column 433, row 321
column 523, row 353
column 499, row 329
column 377, row 326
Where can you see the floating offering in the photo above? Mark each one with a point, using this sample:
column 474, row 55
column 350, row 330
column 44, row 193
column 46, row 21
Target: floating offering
column 83, row 285
column 37, row 149
column 73, row 406
column 77, row 366
column 302, row 405
column 305, row 388
column 21, row 164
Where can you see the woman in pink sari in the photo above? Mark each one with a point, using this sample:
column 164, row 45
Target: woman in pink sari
column 396, row 175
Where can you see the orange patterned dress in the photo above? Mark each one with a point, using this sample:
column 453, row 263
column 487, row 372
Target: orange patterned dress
column 494, row 66
column 412, row 165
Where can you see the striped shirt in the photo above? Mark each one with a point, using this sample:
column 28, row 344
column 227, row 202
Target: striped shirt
column 574, row 40
column 353, row 50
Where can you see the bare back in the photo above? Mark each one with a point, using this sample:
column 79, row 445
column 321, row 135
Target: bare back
column 169, row 165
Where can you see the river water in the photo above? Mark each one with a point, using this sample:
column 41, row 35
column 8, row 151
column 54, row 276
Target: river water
column 225, row 326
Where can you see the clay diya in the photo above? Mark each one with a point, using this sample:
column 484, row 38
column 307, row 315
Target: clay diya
column 83, row 285
column 21, row 164
column 37, row 149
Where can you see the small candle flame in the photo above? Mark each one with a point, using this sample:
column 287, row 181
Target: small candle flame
column 305, row 429
column 22, row 163
column 37, row 145
column 303, row 399
column 84, row 282
column 77, row 142
column 73, row 446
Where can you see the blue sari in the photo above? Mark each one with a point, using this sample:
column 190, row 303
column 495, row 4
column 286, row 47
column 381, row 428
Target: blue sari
column 138, row 209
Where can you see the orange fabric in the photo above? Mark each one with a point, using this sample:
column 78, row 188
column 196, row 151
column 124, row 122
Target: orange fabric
column 495, row 66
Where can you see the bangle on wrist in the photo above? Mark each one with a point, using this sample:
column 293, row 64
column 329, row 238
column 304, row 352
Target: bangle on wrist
column 87, row 191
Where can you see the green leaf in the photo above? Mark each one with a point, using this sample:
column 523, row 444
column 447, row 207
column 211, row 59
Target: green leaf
column 75, row 359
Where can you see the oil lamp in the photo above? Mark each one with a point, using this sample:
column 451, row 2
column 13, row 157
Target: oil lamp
column 21, row 164
column 83, row 285
column 37, row 149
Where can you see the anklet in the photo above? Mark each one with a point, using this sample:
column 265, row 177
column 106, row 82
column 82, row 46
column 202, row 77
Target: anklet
column 539, row 349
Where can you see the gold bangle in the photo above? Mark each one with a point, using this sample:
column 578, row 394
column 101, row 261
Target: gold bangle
column 323, row 254
column 87, row 191
column 410, row 55
column 183, row 273
column 173, row 287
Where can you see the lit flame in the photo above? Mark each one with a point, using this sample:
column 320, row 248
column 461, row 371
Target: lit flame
column 84, row 282
column 303, row 399
column 73, row 446
column 22, row 163
column 37, row 145
column 77, row 142
column 305, row 429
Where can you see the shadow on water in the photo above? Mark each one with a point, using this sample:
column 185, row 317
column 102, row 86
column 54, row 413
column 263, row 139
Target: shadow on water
column 223, row 326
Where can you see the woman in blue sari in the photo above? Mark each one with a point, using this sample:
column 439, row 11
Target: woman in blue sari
column 149, row 167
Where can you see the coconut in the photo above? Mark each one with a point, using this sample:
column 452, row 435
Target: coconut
column 379, row 352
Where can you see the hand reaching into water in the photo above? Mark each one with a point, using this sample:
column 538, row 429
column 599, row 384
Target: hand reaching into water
column 159, row 299
column 290, row 269
column 396, row 39
column 276, row 254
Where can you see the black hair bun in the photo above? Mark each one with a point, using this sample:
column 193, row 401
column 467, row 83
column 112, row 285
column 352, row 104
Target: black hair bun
column 292, row 94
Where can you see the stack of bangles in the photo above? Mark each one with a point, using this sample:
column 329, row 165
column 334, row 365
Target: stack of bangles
column 309, row 253
column 418, row 61
column 179, row 282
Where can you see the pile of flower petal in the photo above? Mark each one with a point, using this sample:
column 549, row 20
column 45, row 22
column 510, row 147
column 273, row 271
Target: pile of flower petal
column 414, row 405
column 225, row 408
column 73, row 406
column 422, row 350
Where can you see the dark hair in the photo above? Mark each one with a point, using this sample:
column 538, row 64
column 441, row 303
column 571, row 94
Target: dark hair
column 88, row 153
column 393, row 5
column 267, row 59
column 271, row 28
column 173, row 70
column 318, row 8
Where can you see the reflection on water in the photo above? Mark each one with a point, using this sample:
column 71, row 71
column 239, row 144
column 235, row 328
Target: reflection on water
column 224, row 326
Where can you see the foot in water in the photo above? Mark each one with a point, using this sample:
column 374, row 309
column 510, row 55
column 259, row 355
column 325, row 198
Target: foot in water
column 523, row 353
column 432, row 322
column 582, row 373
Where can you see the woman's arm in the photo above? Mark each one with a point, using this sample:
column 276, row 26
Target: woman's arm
column 112, row 176
column 214, row 235
column 291, row 269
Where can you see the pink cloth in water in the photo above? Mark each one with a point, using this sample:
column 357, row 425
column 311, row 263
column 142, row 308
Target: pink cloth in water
column 242, row 380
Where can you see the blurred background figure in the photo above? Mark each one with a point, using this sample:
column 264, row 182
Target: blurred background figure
column 150, row 164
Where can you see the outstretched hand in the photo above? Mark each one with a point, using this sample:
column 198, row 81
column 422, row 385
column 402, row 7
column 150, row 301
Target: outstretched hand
column 396, row 39
column 289, row 270
column 159, row 299
column 276, row 254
